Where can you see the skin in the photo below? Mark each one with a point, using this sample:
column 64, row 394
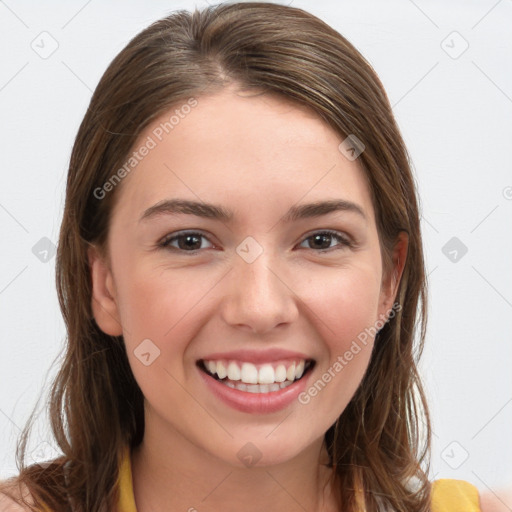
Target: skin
column 256, row 155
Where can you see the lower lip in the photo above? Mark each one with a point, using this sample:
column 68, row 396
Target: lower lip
column 255, row 403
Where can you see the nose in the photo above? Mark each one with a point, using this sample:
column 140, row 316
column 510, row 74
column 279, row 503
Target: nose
column 258, row 297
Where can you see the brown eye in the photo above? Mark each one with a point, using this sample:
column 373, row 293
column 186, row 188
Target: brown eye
column 322, row 241
column 186, row 242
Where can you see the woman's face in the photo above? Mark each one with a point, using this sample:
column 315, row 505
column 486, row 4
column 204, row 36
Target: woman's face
column 241, row 284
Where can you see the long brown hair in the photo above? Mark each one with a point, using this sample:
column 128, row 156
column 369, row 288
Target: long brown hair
column 380, row 443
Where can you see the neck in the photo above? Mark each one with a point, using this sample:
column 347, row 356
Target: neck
column 172, row 474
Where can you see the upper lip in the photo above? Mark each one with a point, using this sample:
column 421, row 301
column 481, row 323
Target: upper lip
column 256, row 356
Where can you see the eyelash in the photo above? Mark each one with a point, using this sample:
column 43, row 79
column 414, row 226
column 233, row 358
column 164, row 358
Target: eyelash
column 344, row 241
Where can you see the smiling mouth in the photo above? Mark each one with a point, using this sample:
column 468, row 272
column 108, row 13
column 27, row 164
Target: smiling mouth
column 251, row 378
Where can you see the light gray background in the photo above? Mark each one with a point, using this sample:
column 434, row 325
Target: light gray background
column 454, row 108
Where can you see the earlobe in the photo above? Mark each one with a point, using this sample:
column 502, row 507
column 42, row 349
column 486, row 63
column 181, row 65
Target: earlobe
column 391, row 281
column 103, row 300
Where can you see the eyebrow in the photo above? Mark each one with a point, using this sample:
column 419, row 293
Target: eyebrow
column 217, row 212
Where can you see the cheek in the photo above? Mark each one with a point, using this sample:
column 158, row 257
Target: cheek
column 154, row 302
column 164, row 307
column 346, row 304
column 167, row 307
column 347, row 311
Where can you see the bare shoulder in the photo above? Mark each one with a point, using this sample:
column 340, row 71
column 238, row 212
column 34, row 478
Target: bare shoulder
column 8, row 505
column 499, row 501
column 11, row 488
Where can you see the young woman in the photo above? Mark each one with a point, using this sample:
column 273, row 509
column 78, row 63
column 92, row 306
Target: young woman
column 241, row 273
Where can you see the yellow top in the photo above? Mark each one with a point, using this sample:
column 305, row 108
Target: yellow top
column 447, row 495
column 126, row 498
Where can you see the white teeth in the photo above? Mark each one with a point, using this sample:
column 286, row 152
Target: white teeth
column 290, row 373
column 258, row 388
column 280, row 373
column 266, row 374
column 221, row 370
column 299, row 370
column 233, row 371
column 212, row 366
column 249, row 373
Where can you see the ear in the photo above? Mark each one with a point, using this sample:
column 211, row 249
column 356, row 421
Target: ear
column 391, row 279
column 103, row 300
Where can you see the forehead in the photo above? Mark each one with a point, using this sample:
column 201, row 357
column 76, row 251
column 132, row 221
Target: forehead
column 233, row 146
